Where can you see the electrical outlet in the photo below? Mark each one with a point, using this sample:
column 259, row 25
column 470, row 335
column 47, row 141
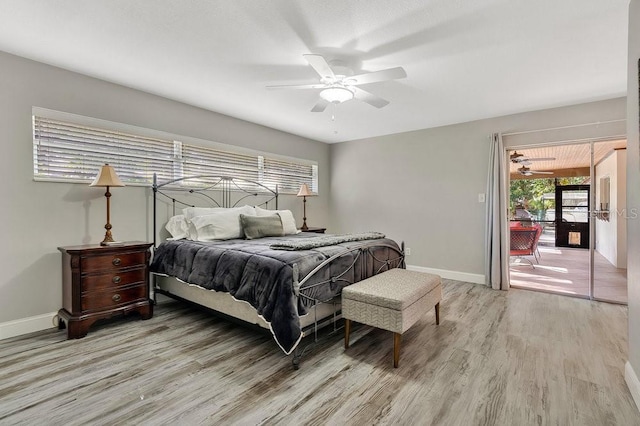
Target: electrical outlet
column 481, row 198
column 407, row 251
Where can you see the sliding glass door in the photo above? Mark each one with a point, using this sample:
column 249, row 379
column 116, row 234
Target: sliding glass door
column 574, row 195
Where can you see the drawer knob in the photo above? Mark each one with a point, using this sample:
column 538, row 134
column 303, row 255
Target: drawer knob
column 116, row 298
column 116, row 261
column 116, row 279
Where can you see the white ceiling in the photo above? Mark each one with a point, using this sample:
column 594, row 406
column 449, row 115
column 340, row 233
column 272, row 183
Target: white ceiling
column 465, row 59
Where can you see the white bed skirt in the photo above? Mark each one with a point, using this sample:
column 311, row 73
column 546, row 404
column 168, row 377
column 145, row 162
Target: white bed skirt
column 228, row 305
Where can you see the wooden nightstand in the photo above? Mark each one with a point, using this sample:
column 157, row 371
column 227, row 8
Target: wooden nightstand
column 101, row 282
column 314, row 229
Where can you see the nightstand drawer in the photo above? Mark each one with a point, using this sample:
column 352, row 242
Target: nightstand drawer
column 113, row 279
column 112, row 261
column 100, row 300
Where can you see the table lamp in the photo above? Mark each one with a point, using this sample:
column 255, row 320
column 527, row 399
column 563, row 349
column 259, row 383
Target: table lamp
column 107, row 177
column 304, row 193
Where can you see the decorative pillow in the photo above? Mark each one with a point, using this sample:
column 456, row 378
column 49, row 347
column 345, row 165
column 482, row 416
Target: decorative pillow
column 288, row 222
column 261, row 226
column 222, row 225
column 177, row 227
column 191, row 212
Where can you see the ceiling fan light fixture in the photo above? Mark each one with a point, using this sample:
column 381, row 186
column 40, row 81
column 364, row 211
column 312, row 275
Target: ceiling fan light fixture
column 336, row 95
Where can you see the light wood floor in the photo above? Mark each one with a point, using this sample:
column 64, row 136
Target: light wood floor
column 497, row 358
column 566, row 271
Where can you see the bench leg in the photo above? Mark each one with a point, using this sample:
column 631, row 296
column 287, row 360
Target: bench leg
column 438, row 313
column 347, row 332
column 397, row 337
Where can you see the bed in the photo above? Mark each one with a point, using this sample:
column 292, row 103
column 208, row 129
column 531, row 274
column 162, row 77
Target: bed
column 289, row 284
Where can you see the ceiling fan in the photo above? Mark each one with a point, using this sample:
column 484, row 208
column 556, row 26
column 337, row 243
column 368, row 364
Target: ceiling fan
column 340, row 87
column 521, row 159
column 525, row 171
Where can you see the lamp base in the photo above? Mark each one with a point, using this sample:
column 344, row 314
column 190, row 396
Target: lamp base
column 108, row 238
column 304, row 214
column 112, row 243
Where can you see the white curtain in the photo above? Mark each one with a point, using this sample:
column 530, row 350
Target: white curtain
column 497, row 230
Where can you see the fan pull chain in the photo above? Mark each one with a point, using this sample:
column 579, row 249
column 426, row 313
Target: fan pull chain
column 333, row 119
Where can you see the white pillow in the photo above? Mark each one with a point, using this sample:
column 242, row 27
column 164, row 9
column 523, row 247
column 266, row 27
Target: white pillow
column 288, row 222
column 191, row 212
column 221, row 225
column 177, row 227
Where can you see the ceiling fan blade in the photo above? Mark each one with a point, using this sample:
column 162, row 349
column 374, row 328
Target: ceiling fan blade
column 540, row 159
column 321, row 66
column 369, row 98
column 299, row 86
column 320, row 106
column 520, row 159
column 376, row 76
column 541, row 173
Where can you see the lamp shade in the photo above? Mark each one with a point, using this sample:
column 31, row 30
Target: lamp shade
column 107, row 177
column 305, row 191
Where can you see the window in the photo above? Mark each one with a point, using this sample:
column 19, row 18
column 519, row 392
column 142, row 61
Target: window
column 198, row 160
column 69, row 152
column 289, row 175
column 65, row 151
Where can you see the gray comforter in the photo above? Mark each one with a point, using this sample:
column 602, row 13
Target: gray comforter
column 252, row 271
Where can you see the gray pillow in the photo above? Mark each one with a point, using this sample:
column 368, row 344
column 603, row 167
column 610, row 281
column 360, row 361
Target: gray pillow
column 261, row 226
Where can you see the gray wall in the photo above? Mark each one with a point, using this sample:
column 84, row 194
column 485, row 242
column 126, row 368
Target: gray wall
column 611, row 234
column 633, row 193
column 38, row 217
column 422, row 187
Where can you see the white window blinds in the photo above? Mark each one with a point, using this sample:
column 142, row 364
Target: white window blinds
column 74, row 153
column 289, row 176
column 199, row 160
column 71, row 152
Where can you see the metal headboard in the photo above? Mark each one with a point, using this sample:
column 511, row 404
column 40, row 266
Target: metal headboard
column 217, row 191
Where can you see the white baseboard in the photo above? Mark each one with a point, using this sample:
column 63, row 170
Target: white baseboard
column 26, row 325
column 632, row 383
column 451, row 275
column 45, row 321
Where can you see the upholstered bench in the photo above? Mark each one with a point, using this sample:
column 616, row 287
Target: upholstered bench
column 392, row 300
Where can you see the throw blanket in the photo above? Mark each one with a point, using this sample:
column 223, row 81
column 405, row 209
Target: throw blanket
column 322, row 241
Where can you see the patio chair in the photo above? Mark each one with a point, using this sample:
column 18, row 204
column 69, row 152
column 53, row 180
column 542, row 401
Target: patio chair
column 536, row 252
column 523, row 243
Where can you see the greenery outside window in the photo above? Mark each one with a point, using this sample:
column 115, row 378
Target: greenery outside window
column 537, row 196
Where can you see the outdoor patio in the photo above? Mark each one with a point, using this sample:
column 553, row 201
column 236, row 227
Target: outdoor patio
column 566, row 271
